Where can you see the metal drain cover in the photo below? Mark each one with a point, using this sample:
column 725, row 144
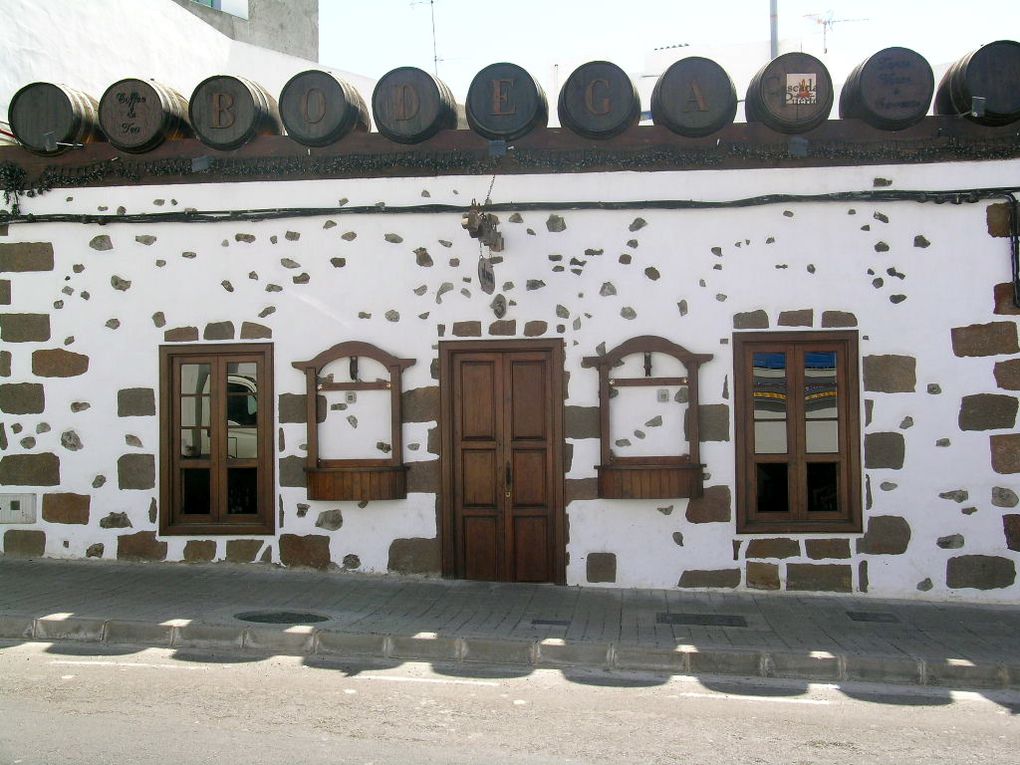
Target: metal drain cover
column 873, row 616
column 281, row 617
column 702, row 620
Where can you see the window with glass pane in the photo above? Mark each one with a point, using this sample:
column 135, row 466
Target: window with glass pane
column 216, row 417
column 798, row 465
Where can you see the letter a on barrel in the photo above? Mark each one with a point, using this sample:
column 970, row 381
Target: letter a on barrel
column 410, row 105
column 599, row 101
column 319, row 108
column 227, row 112
column 694, row 97
column 504, row 102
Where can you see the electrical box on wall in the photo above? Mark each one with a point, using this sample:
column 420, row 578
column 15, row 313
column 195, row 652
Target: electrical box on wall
column 17, row 508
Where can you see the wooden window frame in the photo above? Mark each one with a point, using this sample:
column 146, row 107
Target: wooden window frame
column 849, row 518
column 171, row 521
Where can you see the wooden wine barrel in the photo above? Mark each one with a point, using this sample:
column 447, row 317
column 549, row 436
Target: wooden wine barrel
column 48, row 118
column 890, row 90
column 599, row 100
column 504, row 102
column 138, row 115
column 318, row 108
column 410, row 105
column 227, row 112
column 694, row 97
column 791, row 94
column 991, row 72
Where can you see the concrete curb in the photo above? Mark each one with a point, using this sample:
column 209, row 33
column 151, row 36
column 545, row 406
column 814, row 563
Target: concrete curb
column 816, row 666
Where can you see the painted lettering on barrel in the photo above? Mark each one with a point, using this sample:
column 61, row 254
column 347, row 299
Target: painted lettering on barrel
column 313, row 106
column 221, row 107
column 594, row 104
column 695, row 99
column 406, row 102
column 501, row 96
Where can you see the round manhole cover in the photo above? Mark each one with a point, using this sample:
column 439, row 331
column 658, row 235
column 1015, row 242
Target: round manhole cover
column 281, row 617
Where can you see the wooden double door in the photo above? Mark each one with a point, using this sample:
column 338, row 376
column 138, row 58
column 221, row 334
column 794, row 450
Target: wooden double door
column 502, row 455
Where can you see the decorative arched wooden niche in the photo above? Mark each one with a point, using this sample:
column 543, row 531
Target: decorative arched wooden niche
column 357, row 479
column 650, row 476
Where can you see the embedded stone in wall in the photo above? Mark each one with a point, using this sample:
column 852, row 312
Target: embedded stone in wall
column 581, row 422
column 24, row 327
column 292, row 408
column 980, row 572
column 773, row 548
column 503, row 328
column 5, row 363
column 713, row 422
column 140, row 546
column 95, row 550
column 65, row 507
column 838, row 319
column 719, row 578
column 101, row 243
column 556, row 224
column 1005, row 453
column 420, row 404
column 1007, row 374
column 414, row 556
column 751, row 320
column 819, row 549
column 311, row 551
column 331, row 520
column 22, row 398
column 292, row 472
column 181, row 335
column 115, row 521
column 804, row 317
column 136, row 402
column 24, row 543
column 136, row 471
column 987, row 411
column 886, row 535
column 884, row 450
column 990, row 339
column 1003, row 497
column 424, row 477
column 762, row 576
column 535, row 328
column 467, row 329
column 1002, row 297
column 243, row 550
column 57, row 362
column 577, row 489
column 713, row 506
column 5, row 291
column 819, row 577
column 1011, row 530
column 890, row 374
column 41, row 469
column 601, row 567
column 997, row 217
column 24, row 257
column 950, row 542
column 219, row 330
column 199, row 550
column 252, row 331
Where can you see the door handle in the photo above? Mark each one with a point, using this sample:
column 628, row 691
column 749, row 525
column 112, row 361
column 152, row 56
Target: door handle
column 509, row 480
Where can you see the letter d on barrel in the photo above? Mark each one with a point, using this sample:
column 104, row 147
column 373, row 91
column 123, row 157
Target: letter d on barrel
column 410, row 105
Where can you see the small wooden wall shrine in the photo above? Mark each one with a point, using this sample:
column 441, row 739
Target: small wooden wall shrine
column 355, row 479
column 649, row 477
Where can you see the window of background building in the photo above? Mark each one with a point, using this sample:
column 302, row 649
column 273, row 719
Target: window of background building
column 216, row 422
column 798, row 431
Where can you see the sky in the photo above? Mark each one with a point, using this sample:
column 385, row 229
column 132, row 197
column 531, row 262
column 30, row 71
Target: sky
column 371, row 37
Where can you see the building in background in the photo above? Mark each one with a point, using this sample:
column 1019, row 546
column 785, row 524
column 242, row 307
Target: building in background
column 287, row 26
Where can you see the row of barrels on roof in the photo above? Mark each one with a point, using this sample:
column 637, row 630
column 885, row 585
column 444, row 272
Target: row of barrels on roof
column 694, row 97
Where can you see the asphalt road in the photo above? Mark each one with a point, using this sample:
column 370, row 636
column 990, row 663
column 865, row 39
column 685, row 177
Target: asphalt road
column 66, row 704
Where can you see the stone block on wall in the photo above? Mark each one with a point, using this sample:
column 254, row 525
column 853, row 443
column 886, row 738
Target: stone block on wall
column 762, row 576
column 987, row 411
column 311, row 551
column 41, row 469
column 136, row 471
column 57, row 362
column 199, row 550
column 136, row 402
column 600, row 567
column 581, row 422
column 884, row 450
column 414, row 556
column 886, row 535
column 980, row 572
column 727, row 578
column 65, row 507
column 992, row 339
column 24, row 327
column 24, row 543
column 1007, row 374
column 713, row 506
column 24, row 257
column 140, row 546
column 1005, row 450
column 243, row 550
column 819, row 577
column 890, row 374
column 22, row 398
column 420, row 404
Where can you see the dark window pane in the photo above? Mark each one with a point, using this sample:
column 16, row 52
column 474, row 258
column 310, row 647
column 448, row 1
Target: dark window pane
column 242, row 443
column 194, row 378
column 773, row 491
column 242, row 491
column 823, row 487
column 820, row 388
column 242, row 409
column 195, row 443
column 195, row 492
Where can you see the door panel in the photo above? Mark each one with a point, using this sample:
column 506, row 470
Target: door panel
column 504, row 464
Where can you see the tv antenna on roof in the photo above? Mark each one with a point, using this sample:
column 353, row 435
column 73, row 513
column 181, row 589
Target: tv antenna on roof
column 827, row 22
column 435, row 50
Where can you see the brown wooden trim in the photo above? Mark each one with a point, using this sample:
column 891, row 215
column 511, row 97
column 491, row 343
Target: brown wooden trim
column 448, row 349
column 543, row 150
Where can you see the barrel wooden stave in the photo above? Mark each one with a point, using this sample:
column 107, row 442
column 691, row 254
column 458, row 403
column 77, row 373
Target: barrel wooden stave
column 409, row 105
column 890, row 90
column 45, row 107
column 791, row 94
column 227, row 112
column 599, row 101
column 694, row 97
column 505, row 102
column 138, row 115
column 991, row 72
column 318, row 108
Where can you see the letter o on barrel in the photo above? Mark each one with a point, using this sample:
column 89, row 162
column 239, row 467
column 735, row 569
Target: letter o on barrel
column 599, row 100
column 504, row 102
column 227, row 112
column 694, row 97
column 319, row 108
column 410, row 105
